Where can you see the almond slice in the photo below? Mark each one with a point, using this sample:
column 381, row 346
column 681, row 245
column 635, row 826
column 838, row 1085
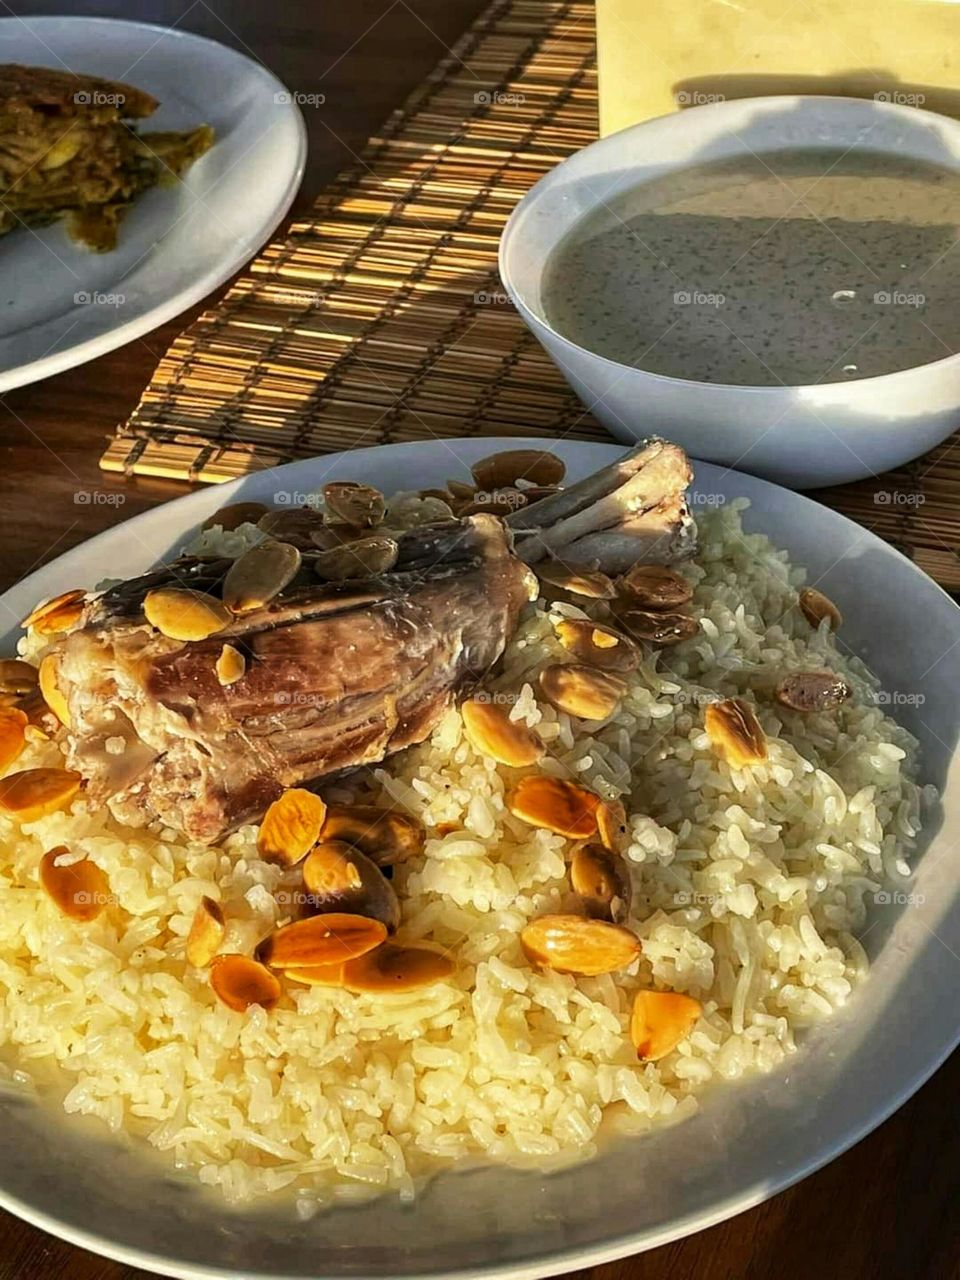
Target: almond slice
column 291, row 827
column 577, row 580
column 392, row 967
column 363, row 559
column 510, row 465
column 206, row 933
column 582, row 691
column 808, row 691
column 597, row 645
column 50, row 688
column 56, row 614
column 600, row 878
column 612, row 825
column 240, row 982
column 234, row 514
column 259, row 575
column 661, row 628
column 654, row 586
column 339, row 877
column 555, row 805
column 17, row 677
column 81, row 890
column 328, row 939
column 660, row 1020
column 815, row 606
column 385, row 835
column 13, row 736
column 230, row 665
column 33, row 793
column 735, row 733
column 183, row 614
column 490, row 731
column 347, row 502
column 577, row 944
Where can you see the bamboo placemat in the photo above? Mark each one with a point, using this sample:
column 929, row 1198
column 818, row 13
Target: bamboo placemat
column 380, row 317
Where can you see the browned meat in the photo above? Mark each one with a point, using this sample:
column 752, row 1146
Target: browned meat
column 337, row 675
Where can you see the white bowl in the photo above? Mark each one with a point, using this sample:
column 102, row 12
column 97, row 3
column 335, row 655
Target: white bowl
column 822, row 434
column 71, row 1177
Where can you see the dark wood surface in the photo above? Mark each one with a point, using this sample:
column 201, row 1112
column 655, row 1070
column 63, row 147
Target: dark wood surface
column 887, row 1208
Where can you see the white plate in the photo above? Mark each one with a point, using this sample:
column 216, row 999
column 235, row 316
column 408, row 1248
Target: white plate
column 747, row 1142
column 60, row 304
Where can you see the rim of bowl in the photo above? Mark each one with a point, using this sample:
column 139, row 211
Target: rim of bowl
column 731, row 107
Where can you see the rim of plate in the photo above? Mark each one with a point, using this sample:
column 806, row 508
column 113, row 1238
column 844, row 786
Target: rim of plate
column 559, row 1261
column 70, row 357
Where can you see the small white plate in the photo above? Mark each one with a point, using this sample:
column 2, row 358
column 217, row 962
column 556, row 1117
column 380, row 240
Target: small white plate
column 747, row 1142
column 60, row 304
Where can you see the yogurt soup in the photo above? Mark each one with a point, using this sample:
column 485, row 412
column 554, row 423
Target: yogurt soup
column 793, row 267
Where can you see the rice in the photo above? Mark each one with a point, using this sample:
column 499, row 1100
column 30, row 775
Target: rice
column 749, row 890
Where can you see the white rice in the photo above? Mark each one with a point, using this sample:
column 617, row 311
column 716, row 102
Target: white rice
column 749, row 889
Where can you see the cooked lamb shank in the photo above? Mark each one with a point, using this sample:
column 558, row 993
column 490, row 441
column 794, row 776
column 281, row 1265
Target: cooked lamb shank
column 334, row 674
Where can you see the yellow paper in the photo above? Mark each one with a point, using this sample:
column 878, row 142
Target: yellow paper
column 656, row 56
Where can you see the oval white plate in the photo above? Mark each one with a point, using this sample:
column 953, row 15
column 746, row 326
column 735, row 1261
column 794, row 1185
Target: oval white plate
column 747, row 1142
column 61, row 305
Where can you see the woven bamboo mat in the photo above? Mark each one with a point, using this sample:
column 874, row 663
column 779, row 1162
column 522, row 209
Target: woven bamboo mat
column 380, row 316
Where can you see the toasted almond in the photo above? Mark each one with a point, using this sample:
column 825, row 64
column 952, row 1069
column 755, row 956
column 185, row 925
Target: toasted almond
column 536, row 492
column 331, row 938
column 363, row 559
column 291, row 524
column 57, row 614
column 339, row 877
column 654, row 586
column 460, row 491
column 206, row 933
column 612, row 825
column 598, row 646
column 321, row 975
column 581, row 691
column 577, row 580
column 507, row 467
column 234, row 514
column 579, row 944
column 600, row 878
column 37, row 712
column 350, row 503
column 392, row 967
column 660, row 1020
column 812, row 691
column 53, row 695
column 385, row 835
column 490, row 731
column 33, row 793
column 556, row 805
column 13, row 737
column 184, row 614
column 230, row 665
column 441, row 495
column 291, row 827
column 240, row 982
column 815, row 606
column 662, row 629
column 260, row 574
column 81, row 890
column 735, row 732
column 17, row 677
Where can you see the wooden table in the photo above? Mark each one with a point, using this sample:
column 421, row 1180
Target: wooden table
column 889, row 1207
